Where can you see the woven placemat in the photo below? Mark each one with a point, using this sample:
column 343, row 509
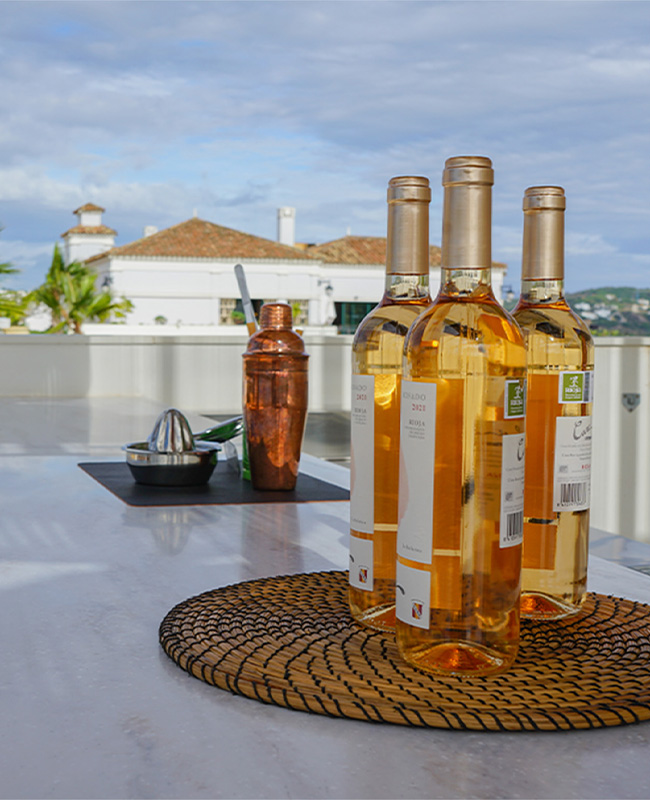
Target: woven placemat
column 290, row 641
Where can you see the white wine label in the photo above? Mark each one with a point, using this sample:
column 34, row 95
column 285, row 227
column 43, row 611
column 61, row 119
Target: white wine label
column 514, row 399
column 511, row 530
column 576, row 387
column 412, row 595
column 362, row 454
column 417, row 456
column 572, row 468
column 361, row 572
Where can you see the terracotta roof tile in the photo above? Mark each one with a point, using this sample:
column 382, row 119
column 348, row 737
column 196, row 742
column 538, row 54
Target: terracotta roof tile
column 88, row 207
column 366, row 250
column 102, row 229
column 360, row 250
column 197, row 238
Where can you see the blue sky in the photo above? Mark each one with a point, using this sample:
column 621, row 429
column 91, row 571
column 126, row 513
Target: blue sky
column 155, row 109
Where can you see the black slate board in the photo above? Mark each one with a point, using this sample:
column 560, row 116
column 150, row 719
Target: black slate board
column 225, row 487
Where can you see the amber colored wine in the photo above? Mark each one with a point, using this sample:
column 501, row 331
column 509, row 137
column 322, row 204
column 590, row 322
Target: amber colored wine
column 376, row 369
column 558, row 419
column 378, row 350
column 462, row 449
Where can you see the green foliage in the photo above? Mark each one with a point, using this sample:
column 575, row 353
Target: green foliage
column 7, row 269
column 610, row 295
column 238, row 317
column 70, row 293
column 14, row 305
column 296, row 309
column 602, row 331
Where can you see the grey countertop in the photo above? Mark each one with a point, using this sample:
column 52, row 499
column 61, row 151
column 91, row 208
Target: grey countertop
column 92, row 708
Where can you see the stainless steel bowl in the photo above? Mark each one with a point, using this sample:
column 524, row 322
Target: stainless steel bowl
column 189, row 468
column 171, row 456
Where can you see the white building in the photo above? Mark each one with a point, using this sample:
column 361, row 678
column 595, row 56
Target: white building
column 183, row 275
column 89, row 236
column 355, row 267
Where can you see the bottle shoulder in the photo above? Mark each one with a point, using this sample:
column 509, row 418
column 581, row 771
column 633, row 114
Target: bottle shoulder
column 482, row 318
column 458, row 339
column 555, row 321
column 388, row 319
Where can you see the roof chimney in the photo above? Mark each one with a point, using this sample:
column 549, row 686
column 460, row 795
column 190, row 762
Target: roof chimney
column 287, row 226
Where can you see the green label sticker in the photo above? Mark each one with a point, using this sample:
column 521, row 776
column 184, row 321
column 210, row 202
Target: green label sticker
column 515, row 399
column 572, row 385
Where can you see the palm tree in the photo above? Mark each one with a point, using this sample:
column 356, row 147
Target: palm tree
column 13, row 304
column 71, row 295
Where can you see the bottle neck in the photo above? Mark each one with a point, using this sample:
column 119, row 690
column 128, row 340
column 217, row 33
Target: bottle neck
column 542, row 291
column 466, row 227
column 406, row 287
column 543, row 245
column 465, row 283
column 407, row 242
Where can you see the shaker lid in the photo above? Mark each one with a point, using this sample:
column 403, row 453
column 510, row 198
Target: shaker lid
column 276, row 335
column 276, row 315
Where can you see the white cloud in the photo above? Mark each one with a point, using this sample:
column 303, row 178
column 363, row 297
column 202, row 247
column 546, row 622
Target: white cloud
column 31, row 258
column 28, row 252
column 588, row 244
column 138, row 85
column 152, row 109
column 33, row 185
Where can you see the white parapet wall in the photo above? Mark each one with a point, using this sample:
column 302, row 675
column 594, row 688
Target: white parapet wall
column 620, row 485
column 202, row 374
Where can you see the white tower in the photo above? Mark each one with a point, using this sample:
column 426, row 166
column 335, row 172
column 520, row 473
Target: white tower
column 89, row 236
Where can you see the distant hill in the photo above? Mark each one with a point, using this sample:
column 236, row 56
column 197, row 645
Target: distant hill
column 614, row 310
column 609, row 311
column 610, row 294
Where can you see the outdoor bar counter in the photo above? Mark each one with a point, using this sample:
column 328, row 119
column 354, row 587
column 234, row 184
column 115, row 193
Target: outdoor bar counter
column 92, row 707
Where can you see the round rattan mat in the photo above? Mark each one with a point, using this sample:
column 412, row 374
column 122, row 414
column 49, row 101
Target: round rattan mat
column 290, row 641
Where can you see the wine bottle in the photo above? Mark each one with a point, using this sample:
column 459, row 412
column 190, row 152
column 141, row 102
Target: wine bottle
column 462, row 454
column 376, row 370
column 558, row 427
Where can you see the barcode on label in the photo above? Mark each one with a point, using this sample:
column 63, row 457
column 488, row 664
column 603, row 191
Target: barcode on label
column 573, row 494
column 586, row 394
column 514, row 526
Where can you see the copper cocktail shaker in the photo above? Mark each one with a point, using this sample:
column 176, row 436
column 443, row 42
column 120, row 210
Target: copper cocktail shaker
column 275, row 399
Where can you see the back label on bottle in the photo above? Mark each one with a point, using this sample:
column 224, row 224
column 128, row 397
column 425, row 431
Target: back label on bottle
column 572, row 467
column 412, row 595
column 576, row 387
column 513, row 456
column 416, row 470
column 514, row 406
column 362, row 454
column 361, row 563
